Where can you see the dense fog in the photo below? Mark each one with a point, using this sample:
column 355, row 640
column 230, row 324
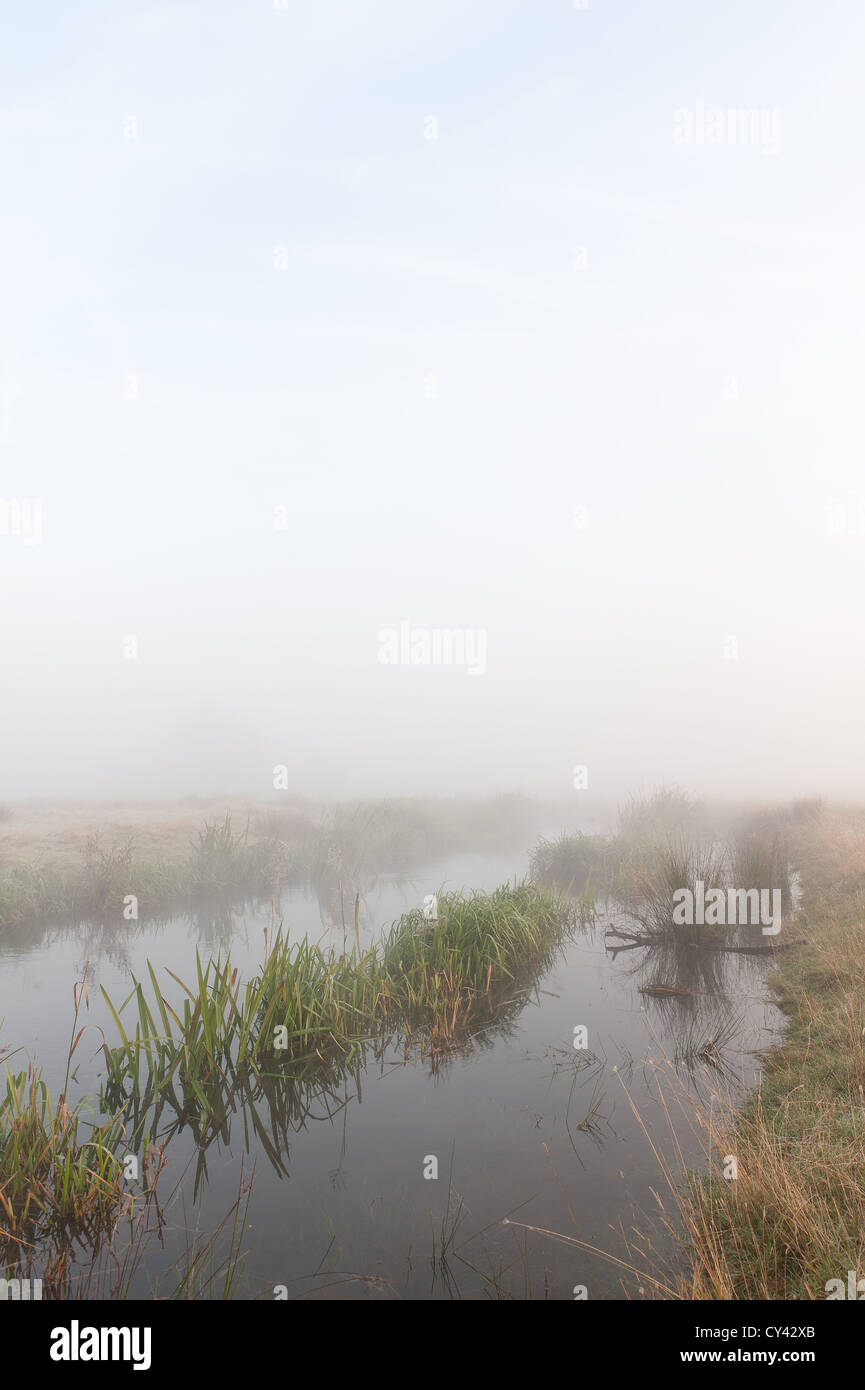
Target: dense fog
column 444, row 398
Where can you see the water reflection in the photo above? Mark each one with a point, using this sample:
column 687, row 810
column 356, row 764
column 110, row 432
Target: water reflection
column 538, row 1130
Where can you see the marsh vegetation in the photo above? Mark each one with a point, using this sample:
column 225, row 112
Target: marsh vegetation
column 256, row 1050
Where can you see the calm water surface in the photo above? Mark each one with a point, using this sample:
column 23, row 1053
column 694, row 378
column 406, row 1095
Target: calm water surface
column 523, row 1125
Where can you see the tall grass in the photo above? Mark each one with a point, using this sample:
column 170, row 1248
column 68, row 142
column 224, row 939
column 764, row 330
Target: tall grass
column 663, row 845
column 795, row 1217
column 650, row 877
column 32, row 891
column 221, row 862
column 312, row 1015
column 439, row 976
column 63, row 1186
column 339, row 846
column 576, row 863
column 61, row 1178
column 761, row 859
column 667, row 812
column 649, row 830
column 73, row 1216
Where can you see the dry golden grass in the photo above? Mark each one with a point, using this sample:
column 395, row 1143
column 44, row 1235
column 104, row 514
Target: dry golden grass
column 794, row 1217
column 57, row 835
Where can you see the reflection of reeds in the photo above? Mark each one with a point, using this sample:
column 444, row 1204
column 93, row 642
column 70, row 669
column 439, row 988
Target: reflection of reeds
column 62, row 1178
column 701, row 976
column 311, row 1016
column 590, row 1123
column 704, row 1040
column 63, row 1184
column 787, row 1218
column 453, row 1217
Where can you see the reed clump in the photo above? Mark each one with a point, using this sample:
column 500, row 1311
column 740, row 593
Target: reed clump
column 761, row 858
column 648, row 881
column 662, row 846
column 666, row 813
column 60, row 1177
column 63, row 1188
column 576, row 863
column 62, row 1181
column 615, row 867
column 426, row 986
column 440, row 975
column 31, row 891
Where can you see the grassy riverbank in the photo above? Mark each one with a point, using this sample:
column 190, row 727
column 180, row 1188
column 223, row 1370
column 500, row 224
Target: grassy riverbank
column 86, row 863
column 274, row 1044
column 794, row 1218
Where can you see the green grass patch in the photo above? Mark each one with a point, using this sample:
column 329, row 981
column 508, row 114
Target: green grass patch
column 310, row 1015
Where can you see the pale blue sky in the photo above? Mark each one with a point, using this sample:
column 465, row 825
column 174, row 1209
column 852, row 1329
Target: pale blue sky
column 147, row 265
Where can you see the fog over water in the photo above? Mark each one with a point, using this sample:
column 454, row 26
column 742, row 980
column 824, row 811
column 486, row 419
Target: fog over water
column 412, row 396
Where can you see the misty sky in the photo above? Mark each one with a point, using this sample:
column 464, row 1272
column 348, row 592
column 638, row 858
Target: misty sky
column 322, row 318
